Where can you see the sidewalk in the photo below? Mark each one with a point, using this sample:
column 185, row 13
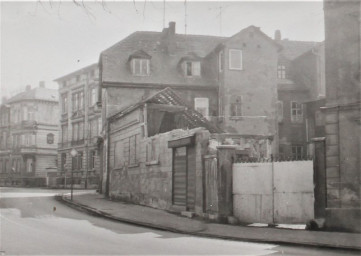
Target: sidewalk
column 145, row 216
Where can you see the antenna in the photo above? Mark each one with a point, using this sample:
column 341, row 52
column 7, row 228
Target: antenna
column 185, row 17
column 163, row 13
column 220, row 20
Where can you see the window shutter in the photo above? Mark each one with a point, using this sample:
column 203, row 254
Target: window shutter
column 196, row 68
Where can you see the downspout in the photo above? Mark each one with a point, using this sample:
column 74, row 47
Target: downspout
column 107, row 160
column 339, row 152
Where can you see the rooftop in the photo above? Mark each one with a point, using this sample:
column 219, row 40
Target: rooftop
column 38, row 93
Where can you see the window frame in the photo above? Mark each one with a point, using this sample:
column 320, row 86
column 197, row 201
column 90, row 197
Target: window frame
column 141, row 72
column 297, row 155
column 195, row 68
column 297, row 118
column 230, row 51
column 281, row 71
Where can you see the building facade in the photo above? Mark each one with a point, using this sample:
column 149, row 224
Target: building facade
column 80, row 124
column 300, row 79
column 342, row 113
column 29, row 136
column 232, row 81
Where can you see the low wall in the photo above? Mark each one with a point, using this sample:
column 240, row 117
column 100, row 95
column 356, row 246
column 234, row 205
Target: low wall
column 278, row 192
column 149, row 181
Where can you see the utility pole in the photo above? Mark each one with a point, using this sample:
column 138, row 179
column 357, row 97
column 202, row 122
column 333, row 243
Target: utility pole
column 163, row 13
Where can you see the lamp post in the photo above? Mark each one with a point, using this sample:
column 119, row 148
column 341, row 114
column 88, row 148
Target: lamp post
column 73, row 153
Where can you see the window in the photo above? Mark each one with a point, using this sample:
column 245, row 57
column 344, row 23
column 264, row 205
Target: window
column 64, row 105
column 296, row 112
column 236, row 106
column 140, row 67
column 78, row 131
column 77, row 161
column 31, row 115
column 281, row 71
column 75, row 132
column 93, row 96
column 297, row 152
column 64, row 133
column 92, row 159
column 235, row 59
column 220, row 61
column 192, row 68
column 78, row 78
column 50, row 138
column 25, row 113
column 78, row 101
column 202, row 106
column 63, row 162
column 81, row 100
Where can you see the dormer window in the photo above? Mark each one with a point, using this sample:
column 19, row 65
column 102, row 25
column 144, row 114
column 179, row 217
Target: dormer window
column 139, row 63
column 140, row 67
column 192, row 68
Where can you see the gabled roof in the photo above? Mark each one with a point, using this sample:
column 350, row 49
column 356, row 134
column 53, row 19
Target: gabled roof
column 258, row 30
column 294, row 49
column 36, row 94
column 163, row 65
column 169, row 97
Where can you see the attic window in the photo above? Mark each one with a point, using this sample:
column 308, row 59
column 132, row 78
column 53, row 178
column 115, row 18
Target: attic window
column 140, row 67
column 192, row 68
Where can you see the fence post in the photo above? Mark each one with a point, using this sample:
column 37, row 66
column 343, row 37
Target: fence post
column 226, row 157
column 273, row 192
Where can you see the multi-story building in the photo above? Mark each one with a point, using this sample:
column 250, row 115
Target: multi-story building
column 80, row 125
column 232, row 81
column 300, row 79
column 342, row 113
column 29, row 136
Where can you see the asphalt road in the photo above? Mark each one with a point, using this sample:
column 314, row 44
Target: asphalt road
column 32, row 222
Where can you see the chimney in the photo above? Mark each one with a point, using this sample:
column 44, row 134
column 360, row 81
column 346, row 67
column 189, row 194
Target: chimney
column 42, row 84
column 278, row 35
column 28, row 88
column 168, row 43
column 171, row 30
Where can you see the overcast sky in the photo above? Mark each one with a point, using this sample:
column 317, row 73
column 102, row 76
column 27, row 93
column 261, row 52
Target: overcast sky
column 43, row 40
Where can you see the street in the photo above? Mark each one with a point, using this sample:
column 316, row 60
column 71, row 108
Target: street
column 34, row 223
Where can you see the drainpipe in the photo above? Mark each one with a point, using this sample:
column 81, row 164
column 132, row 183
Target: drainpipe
column 107, row 159
column 273, row 192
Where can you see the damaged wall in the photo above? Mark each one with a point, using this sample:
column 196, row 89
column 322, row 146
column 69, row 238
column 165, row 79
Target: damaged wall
column 141, row 167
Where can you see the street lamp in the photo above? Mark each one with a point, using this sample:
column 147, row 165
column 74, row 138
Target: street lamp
column 73, row 153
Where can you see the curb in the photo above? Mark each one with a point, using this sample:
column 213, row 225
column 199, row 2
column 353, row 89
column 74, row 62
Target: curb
column 199, row 233
column 98, row 213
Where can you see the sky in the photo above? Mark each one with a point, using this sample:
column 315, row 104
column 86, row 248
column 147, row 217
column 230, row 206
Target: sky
column 46, row 39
